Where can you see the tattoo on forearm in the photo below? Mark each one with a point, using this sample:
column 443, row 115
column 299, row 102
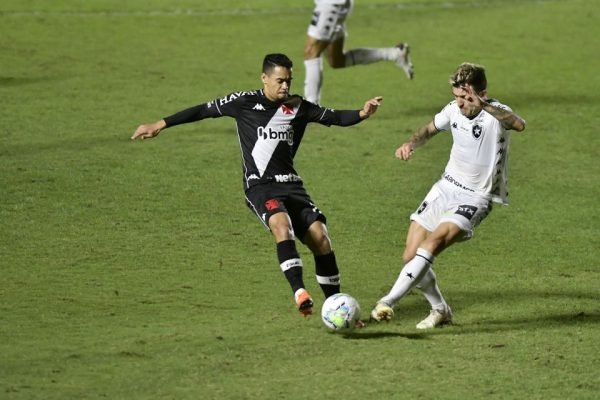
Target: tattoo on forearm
column 421, row 136
column 507, row 118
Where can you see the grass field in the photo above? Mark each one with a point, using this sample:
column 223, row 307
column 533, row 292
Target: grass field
column 134, row 271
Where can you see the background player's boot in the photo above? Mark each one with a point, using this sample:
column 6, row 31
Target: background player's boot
column 304, row 302
column 382, row 312
column 436, row 318
column 403, row 60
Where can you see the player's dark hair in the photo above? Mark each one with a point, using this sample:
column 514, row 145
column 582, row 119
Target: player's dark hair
column 469, row 74
column 276, row 60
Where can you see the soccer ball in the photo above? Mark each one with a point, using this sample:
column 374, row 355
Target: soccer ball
column 340, row 312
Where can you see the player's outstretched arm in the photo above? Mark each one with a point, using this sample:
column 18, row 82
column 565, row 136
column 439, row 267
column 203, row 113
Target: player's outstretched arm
column 148, row 131
column 418, row 138
column 370, row 107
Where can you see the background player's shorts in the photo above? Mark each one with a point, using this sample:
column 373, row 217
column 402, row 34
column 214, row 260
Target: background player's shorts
column 446, row 203
column 328, row 20
column 270, row 198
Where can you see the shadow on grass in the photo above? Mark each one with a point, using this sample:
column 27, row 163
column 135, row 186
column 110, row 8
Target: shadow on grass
column 365, row 334
column 486, row 326
column 517, row 310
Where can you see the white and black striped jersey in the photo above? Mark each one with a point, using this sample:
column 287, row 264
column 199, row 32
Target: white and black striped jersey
column 269, row 132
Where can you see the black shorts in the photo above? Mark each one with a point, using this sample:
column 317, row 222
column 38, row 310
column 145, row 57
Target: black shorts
column 270, row 198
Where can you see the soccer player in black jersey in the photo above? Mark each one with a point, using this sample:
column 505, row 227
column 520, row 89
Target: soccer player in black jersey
column 270, row 126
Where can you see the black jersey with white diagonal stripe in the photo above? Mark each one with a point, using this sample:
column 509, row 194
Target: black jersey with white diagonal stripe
column 269, row 132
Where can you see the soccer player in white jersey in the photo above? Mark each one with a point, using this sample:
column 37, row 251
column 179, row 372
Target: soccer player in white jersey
column 326, row 34
column 474, row 177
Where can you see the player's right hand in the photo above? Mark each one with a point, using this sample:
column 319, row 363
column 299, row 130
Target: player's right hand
column 148, row 131
column 405, row 151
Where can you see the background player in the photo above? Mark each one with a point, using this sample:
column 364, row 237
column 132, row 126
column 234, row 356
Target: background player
column 270, row 126
column 475, row 176
column 326, row 34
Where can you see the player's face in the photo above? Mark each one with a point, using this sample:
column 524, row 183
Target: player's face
column 277, row 83
column 465, row 102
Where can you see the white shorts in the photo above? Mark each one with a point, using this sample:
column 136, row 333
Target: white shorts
column 446, row 203
column 328, row 20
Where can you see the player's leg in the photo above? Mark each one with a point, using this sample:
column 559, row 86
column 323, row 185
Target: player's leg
column 413, row 271
column 399, row 54
column 313, row 67
column 440, row 310
column 263, row 200
column 326, row 26
column 326, row 268
column 289, row 259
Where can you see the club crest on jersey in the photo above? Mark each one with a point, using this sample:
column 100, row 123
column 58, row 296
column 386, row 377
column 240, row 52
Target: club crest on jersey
column 287, row 110
column 285, row 133
column 477, row 130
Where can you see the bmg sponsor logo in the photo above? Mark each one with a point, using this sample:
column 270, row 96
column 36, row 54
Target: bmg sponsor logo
column 284, row 133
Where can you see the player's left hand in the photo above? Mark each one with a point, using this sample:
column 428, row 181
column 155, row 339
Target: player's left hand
column 370, row 107
column 472, row 97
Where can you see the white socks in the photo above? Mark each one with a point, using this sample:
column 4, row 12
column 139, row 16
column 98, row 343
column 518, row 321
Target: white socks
column 313, row 79
column 368, row 56
column 431, row 291
column 410, row 276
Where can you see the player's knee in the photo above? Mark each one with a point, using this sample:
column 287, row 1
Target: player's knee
column 312, row 50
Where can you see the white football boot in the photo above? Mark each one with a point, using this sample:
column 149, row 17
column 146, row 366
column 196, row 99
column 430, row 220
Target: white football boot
column 436, row 318
column 403, row 60
column 382, row 312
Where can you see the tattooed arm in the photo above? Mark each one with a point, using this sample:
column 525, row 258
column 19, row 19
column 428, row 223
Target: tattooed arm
column 418, row 138
column 507, row 118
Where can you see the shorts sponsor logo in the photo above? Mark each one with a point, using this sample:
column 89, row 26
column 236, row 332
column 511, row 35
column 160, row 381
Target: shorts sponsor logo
column 422, row 207
column 466, row 211
column 283, row 178
column 284, row 133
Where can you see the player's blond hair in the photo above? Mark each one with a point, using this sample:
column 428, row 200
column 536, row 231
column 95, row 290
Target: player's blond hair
column 469, row 74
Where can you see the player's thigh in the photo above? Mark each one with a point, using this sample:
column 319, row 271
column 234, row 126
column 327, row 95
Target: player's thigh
column 303, row 212
column 416, row 235
column 267, row 202
column 446, row 234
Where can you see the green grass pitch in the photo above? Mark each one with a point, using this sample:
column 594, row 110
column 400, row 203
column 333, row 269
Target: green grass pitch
column 133, row 270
